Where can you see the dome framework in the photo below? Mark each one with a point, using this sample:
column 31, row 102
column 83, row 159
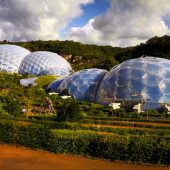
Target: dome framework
column 141, row 80
column 44, row 63
column 10, row 57
column 144, row 80
column 82, row 85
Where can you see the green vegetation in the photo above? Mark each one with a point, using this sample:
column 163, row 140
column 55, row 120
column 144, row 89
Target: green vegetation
column 147, row 149
column 88, row 56
column 69, row 110
column 78, row 127
column 79, row 55
column 156, row 46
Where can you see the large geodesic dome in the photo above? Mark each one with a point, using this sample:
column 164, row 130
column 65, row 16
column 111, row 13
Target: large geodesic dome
column 44, row 63
column 82, row 85
column 11, row 57
column 143, row 79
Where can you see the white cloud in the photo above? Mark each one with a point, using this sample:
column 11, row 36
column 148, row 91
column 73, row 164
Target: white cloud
column 37, row 19
column 126, row 22
column 84, row 34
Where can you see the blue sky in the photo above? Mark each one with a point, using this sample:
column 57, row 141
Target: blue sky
column 89, row 11
column 102, row 22
column 97, row 8
column 167, row 21
column 125, row 22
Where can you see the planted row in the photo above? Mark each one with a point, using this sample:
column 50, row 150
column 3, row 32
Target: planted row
column 159, row 120
column 136, row 148
column 126, row 123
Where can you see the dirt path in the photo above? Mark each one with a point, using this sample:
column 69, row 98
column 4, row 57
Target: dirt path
column 138, row 123
column 18, row 158
column 111, row 126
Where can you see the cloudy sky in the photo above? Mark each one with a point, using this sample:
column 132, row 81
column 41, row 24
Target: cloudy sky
column 103, row 22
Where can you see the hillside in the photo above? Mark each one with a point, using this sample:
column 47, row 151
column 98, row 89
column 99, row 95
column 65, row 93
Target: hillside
column 81, row 128
column 87, row 56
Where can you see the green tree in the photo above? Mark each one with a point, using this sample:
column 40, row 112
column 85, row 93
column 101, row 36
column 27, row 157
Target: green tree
column 69, row 110
column 13, row 106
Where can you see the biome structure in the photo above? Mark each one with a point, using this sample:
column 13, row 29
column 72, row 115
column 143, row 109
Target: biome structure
column 15, row 59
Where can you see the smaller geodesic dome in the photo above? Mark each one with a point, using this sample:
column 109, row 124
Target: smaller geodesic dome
column 53, row 86
column 11, row 57
column 82, row 85
column 44, row 63
column 56, row 71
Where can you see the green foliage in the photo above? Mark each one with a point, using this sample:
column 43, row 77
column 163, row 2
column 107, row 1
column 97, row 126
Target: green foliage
column 124, row 123
column 162, row 112
column 14, row 97
column 156, row 46
column 87, row 56
column 2, row 111
column 147, row 149
column 79, row 55
column 113, row 118
column 44, row 81
column 12, row 106
column 115, row 147
column 128, row 115
column 75, row 142
column 28, row 134
column 69, row 110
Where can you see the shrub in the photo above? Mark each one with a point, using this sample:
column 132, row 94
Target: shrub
column 28, row 134
column 2, row 111
column 12, row 105
column 69, row 110
column 147, row 149
column 76, row 142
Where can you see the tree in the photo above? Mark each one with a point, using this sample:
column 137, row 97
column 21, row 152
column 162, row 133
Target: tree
column 13, row 106
column 69, row 110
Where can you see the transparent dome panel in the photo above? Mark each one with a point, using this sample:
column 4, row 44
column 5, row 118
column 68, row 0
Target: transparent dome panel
column 136, row 79
column 45, row 63
column 11, row 57
column 83, row 85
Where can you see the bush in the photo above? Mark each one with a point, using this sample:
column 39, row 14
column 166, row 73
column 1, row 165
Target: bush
column 146, row 149
column 2, row 111
column 75, row 142
column 24, row 133
column 69, row 110
column 12, row 106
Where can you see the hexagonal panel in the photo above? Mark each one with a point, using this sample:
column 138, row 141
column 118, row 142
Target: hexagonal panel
column 11, row 57
column 147, row 80
column 83, row 85
column 44, row 63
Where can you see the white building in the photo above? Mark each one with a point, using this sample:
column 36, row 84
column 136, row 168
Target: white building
column 137, row 107
column 115, row 105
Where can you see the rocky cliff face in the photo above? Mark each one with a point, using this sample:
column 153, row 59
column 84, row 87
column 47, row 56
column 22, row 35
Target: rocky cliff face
column 73, row 58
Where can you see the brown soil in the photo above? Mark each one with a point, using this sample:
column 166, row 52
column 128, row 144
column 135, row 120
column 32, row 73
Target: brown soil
column 19, row 158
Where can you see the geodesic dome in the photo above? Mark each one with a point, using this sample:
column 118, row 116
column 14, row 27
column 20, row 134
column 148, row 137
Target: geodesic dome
column 82, row 85
column 44, row 63
column 53, row 86
column 141, row 79
column 56, row 71
column 11, row 57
